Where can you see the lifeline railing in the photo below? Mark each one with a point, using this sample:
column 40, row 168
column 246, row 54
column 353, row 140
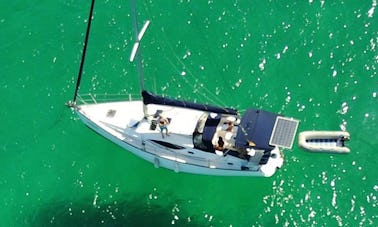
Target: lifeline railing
column 101, row 98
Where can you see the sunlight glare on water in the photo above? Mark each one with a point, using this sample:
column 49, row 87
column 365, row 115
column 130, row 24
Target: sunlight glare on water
column 315, row 61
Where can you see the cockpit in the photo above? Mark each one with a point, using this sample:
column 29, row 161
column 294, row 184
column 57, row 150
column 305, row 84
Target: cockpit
column 243, row 137
column 216, row 132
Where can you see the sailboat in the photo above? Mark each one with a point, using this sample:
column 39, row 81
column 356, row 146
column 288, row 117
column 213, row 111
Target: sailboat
column 186, row 136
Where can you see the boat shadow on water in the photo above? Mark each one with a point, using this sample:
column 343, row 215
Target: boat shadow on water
column 139, row 211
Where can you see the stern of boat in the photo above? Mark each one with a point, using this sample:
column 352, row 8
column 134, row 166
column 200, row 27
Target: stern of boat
column 275, row 162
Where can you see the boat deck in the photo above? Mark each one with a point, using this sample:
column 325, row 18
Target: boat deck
column 125, row 124
column 127, row 119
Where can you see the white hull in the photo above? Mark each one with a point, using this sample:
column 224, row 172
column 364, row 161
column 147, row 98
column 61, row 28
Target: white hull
column 323, row 141
column 123, row 123
column 202, row 139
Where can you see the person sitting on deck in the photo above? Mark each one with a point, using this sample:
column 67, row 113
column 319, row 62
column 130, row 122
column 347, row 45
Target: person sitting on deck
column 163, row 125
column 220, row 144
column 230, row 126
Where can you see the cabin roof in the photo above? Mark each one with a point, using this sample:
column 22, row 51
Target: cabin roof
column 255, row 129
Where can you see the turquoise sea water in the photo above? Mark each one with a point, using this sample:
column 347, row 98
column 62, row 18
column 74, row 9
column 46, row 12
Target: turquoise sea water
column 313, row 60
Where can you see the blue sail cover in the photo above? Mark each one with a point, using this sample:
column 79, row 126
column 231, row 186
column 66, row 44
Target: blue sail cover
column 256, row 126
column 149, row 98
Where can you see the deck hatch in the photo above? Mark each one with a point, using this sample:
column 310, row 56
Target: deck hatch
column 284, row 132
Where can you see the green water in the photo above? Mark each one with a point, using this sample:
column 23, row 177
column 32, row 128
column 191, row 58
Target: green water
column 313, row 60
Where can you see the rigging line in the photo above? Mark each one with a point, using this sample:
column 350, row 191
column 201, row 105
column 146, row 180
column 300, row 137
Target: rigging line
column 214, row 97
column 205, row 40
column 194, row 88
column 84, row 51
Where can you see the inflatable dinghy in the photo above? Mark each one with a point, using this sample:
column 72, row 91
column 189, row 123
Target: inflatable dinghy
column 324, row 141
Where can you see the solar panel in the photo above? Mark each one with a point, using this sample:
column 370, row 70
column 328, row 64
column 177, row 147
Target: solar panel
column 284, row 132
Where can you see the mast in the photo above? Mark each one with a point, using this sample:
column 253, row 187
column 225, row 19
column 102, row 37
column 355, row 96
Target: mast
column 135, row 51
column 136, row 45
column 72, row 103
